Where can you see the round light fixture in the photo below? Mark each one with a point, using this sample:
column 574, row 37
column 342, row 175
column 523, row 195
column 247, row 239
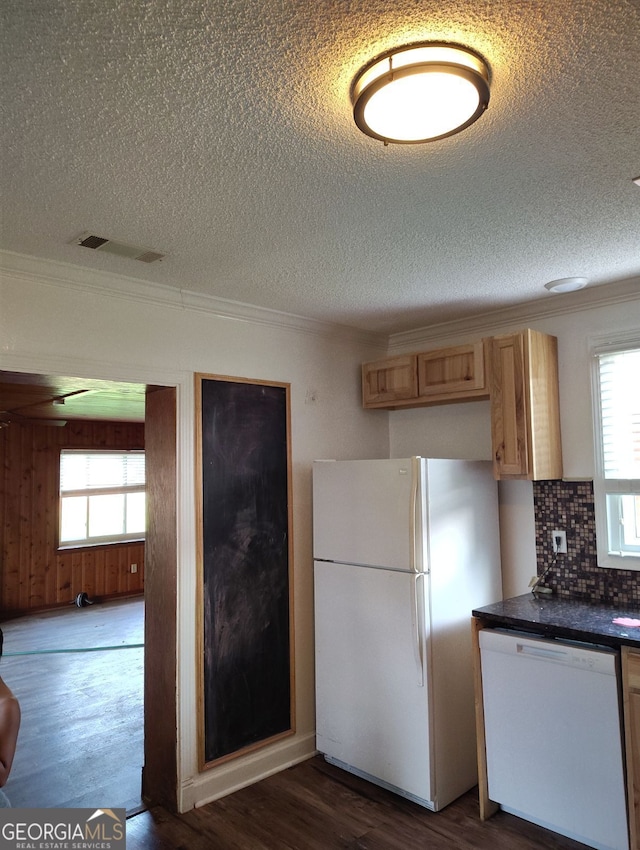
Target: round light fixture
column 566, row 284
column 420, row 93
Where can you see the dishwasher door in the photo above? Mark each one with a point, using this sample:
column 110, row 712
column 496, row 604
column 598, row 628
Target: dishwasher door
column 553, row 735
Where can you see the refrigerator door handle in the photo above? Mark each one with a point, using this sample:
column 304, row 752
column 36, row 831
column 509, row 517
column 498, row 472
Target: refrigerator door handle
column 417, row 588
column 414, row 565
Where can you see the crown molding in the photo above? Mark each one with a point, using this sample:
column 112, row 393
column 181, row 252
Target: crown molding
column 490, row 323
column 109, row 284
column 80, row 278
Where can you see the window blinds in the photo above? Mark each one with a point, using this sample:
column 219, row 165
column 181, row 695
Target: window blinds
column 620, row 411
column 101, row 470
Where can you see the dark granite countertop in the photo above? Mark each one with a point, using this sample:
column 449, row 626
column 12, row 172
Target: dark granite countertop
column 569, row 618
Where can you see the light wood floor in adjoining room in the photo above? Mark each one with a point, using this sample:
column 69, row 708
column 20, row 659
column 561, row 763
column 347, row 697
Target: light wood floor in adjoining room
column 81, row 741
column 316, row 806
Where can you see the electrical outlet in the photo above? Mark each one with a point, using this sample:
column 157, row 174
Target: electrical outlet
column 559, row 541
column 134, row 568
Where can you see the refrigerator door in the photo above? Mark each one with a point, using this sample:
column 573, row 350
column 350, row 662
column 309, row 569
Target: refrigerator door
column 370, row 512
column 372, row 709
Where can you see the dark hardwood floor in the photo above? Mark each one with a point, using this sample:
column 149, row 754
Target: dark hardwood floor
column 80, row 745
column 81, row 736
column 316, row 806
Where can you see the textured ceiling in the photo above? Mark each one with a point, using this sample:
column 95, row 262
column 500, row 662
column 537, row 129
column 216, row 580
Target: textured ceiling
column 221, row 133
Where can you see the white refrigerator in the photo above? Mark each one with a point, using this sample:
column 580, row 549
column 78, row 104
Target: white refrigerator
column 403, row 551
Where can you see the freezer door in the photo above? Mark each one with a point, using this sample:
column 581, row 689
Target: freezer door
column 372, row 709
column 369, row 512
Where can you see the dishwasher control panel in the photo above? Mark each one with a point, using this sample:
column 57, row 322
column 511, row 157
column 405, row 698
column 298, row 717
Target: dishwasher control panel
column 593, row 658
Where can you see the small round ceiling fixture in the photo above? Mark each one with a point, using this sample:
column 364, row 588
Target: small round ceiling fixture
column 566, row 284
column 420, row 92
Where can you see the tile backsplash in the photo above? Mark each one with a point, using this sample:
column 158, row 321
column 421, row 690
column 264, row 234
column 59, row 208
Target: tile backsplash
column 569, row 505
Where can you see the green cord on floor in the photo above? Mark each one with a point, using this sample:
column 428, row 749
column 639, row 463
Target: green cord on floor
column 87, row 649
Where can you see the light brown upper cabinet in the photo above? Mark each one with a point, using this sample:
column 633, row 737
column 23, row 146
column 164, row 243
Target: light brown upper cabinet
column 386, row 382
column 444, row 375
column 453, row 374
column 525, row 409
column 518, row 372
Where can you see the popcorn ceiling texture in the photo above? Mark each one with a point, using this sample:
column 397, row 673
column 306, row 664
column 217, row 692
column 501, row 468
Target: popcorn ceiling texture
column 570, row 506
column 222, row 134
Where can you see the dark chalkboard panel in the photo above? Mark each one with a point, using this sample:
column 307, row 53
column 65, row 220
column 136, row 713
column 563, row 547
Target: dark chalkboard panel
column 244, row 543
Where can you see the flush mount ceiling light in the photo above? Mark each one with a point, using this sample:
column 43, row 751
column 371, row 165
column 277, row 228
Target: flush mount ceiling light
column 420, row 93
column 566, row 284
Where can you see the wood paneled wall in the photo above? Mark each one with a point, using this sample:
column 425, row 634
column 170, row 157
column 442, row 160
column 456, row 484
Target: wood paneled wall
column 33, row 573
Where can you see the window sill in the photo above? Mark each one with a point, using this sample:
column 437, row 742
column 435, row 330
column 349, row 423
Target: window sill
column 74, row 547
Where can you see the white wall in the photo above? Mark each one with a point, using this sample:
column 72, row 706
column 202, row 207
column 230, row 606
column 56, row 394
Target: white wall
column 61, row 320
column 464, row 430
column 448, row 430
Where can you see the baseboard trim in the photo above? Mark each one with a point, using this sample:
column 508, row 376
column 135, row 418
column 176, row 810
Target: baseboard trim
column 233, row 776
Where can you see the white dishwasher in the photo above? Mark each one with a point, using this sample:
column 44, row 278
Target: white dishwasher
column 553, row 735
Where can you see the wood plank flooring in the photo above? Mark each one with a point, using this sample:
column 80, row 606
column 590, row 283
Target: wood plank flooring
column 81, row 736
column 81, row 745
column 107, row 624
column 316, row 806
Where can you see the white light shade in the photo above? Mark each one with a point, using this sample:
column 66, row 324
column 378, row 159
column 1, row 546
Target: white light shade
column 566, row 284
column 420, row 93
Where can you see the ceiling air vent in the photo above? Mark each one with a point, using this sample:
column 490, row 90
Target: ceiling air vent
column 109, row 246
column 93, row 242
column 150, row 257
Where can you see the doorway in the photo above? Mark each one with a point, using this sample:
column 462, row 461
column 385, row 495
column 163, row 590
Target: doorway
column 159, row 779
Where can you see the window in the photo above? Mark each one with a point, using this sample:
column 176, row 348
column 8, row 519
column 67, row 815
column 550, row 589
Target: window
column 102, row 497
column 617, row 481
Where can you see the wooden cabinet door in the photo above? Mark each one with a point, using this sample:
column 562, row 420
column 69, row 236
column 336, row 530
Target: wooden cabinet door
column 386, row 381
column 509, row 411
column 525, row 406
column 455, row 371
column 543, row 405
column 631, row 698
